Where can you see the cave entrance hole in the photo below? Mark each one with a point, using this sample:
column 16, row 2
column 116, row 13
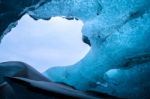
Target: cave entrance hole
column 44, row 43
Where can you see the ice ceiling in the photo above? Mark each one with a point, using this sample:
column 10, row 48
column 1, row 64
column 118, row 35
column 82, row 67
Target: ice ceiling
column 118, row 32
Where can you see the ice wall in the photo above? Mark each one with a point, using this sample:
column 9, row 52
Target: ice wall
column 13, row 10
column 118, row 32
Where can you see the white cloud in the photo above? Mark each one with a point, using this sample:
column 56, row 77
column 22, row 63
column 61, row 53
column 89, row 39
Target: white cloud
column 44, row 44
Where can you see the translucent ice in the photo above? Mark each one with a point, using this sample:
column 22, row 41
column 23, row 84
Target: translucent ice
column 118, row 32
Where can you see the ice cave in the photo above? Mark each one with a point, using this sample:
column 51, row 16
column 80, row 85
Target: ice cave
column 116, row 66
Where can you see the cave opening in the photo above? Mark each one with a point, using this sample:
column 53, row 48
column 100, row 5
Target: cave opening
column 44, row 43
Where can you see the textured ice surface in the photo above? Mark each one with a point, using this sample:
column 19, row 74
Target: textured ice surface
column 119, row 32
column 13, row 10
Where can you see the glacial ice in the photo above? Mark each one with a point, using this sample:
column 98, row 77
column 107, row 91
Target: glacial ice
column 118, row 32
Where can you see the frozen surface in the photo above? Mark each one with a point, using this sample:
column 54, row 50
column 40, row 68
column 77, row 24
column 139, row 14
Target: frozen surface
column 21, row 81
column 118, row 32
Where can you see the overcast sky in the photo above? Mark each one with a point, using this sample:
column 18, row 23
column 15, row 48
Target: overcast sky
column 44, row 44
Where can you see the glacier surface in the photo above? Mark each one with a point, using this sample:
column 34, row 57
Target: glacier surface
column 118, row 32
